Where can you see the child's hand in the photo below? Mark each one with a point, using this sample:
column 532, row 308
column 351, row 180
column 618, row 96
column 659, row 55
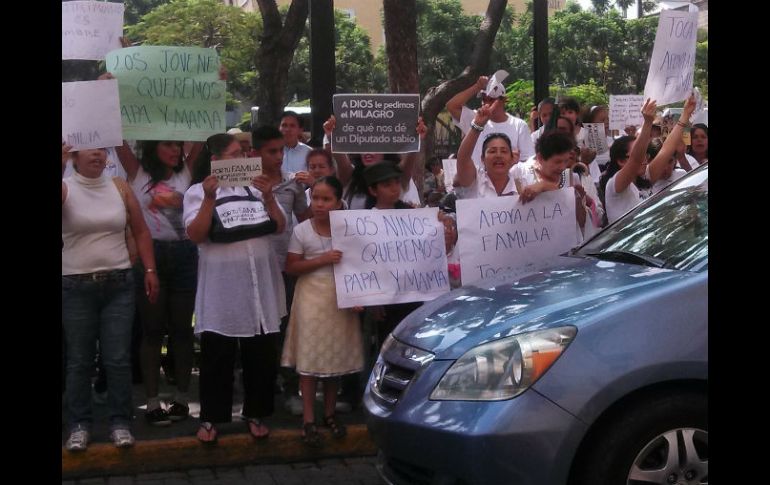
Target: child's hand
column 303, row 178
column 333, row 257
column 357, row 309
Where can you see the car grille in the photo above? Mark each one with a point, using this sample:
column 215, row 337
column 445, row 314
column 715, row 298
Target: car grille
column 395, row 370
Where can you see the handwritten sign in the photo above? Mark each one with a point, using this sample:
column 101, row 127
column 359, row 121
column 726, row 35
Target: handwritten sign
column 670, row 76
column 236, row 172
column 596, row 137
column 376, row 123
column 89, row 30
column 501, row 234
column 450, row 170
column 169, row 93
column 388, row 256
column 90, row 114
column 625, row 110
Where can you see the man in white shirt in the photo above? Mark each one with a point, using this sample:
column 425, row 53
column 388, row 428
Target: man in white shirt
column 515, row 128
column 294, row 151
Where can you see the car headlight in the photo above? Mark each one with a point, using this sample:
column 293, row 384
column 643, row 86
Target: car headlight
column 504, row 368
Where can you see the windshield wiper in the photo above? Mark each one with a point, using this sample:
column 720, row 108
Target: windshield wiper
column 628, row 257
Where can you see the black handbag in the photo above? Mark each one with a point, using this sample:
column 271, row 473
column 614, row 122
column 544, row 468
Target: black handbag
column 240, row 217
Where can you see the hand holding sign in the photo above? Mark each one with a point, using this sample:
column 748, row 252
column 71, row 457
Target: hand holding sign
column 689, row 108
column 332, row 257
column 210, row 185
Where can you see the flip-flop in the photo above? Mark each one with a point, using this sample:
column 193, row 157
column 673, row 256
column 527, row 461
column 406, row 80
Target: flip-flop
column 256, row 423
column 207, row 433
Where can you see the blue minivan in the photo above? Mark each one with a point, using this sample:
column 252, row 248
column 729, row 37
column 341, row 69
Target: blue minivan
column 591, row 370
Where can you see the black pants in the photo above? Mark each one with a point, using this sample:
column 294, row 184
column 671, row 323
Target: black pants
column 258, row 358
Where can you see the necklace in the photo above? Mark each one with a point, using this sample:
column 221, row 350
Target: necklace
column 325, row 245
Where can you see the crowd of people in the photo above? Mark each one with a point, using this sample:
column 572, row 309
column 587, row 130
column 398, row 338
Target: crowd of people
column 147, row 234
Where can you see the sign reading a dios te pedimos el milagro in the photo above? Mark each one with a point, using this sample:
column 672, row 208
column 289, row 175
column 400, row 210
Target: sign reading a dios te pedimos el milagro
column 169, row 93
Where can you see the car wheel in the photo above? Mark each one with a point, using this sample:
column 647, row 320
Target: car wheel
column 662, row 440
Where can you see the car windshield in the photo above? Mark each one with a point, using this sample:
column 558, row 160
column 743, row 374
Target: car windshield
column 669, row 230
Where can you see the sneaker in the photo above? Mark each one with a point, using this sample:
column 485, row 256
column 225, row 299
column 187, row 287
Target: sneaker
column 122, row 437
column 157, row 417
column 294, row 405
column 178, row 411
column 78, row 440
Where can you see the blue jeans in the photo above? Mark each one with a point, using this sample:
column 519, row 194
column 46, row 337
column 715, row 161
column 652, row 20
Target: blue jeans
column 98, row 308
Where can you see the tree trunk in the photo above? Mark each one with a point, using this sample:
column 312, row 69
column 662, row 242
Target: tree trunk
column 437, row 96
column 274, row 56
column 401, row 47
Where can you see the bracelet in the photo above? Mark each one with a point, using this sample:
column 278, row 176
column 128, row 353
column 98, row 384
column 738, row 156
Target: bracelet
column 149, row 270
column 476, row 127
column 683, row 125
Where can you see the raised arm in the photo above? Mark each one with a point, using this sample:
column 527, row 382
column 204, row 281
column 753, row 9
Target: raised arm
column 198, row 229
column 466, row 169
column 408, row 160
column 455, row 105
column 658, row 164
column 344, row 166
column 128, row 160
column 630, row 170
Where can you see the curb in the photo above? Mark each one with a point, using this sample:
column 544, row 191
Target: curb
column 283, row 445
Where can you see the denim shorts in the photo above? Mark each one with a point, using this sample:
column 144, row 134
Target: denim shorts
column 176, row 264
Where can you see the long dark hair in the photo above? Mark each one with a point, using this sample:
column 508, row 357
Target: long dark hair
column 618, row 151
column 332, row 182
column 215, row 145
column 357, row 182
column 152, row 164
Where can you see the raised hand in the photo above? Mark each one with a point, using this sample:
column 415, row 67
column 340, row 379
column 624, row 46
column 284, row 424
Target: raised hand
column 329, row 125
column 483, row 114
column 648, row 110
column 210, row 185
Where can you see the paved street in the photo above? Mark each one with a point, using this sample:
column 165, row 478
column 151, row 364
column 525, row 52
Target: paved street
column 338, row 471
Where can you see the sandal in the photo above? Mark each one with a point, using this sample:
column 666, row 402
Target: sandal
column 207, row 433
column 254, row 425
column 310, row 435
column 338, row 429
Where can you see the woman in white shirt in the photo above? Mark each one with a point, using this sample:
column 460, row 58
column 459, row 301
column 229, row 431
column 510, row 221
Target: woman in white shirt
column 699, row 147
column 493, row 178
column 240, row 298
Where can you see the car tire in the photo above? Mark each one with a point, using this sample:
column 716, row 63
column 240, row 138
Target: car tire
column 663, row 439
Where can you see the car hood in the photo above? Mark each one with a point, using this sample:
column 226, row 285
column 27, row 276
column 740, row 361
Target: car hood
column 571, row 291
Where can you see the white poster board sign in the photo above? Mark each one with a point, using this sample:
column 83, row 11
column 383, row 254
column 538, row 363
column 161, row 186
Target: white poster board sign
column 236, row 172
column 89, row 30
column 625, row 110
column 669, row 79
column 502, row 234
column 450, row 170
column 388, row 256
column 90, row 114
column 596, row 137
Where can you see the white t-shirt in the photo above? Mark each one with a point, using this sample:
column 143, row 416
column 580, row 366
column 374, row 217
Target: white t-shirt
column 304, row 240
column 662, row 183
column 162, row 203
column 483, row 188
column 112, row 169
column 618, row 204
column 516, row 129
column 693, row 162
column 537, row 134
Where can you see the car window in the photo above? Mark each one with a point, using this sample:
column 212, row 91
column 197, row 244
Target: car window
column 671, row 227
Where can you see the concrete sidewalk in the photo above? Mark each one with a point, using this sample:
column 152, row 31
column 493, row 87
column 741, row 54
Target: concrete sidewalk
column 175, row 447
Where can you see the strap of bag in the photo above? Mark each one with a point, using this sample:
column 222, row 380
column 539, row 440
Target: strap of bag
column 121, row 186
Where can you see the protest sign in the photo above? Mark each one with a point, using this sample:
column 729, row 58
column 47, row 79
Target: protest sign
column 596, row 137
column 450, row 170
column 90, row 114
column 169, row 93
column 376, row 123
column 670, row 76
column 89, row 30
column 388, row 256
column 502, row 234
column 625, row 110
column 236, row 172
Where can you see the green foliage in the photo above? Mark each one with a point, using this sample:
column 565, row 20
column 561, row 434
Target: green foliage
column 207, row 23
column 701, row 78
column 354, row 70
column 136, row 9
column 521, row 95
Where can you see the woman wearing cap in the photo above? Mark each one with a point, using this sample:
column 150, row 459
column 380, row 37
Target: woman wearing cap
column 98, row 290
